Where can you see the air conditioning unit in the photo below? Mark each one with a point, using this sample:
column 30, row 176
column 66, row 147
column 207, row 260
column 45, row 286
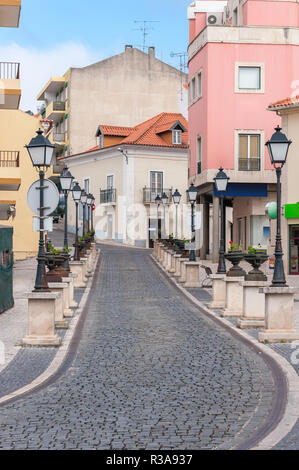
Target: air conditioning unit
column 214, row 19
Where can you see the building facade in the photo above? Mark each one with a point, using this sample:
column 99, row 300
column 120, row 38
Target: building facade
column 242, row 55
column 126, row 171
column 16, row 130
column 123, row 90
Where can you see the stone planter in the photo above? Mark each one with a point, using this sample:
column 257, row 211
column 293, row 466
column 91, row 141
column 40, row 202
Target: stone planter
column 235, row 257
column 54, row 264
column 256, row 260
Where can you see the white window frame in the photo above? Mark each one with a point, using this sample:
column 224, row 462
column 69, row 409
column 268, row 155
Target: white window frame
column 259, row 132
column 113, row 180
column 84, row 186
column 177, row 137
column 260, row 65
column 150, row 180
column 194, row 93
column 199, row 77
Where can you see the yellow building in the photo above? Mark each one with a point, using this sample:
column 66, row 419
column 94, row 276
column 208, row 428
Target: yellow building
column 16, row 130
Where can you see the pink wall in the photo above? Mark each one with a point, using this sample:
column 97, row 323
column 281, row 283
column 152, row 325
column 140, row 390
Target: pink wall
column 197, row 25
column 220, row 111
column 260, row 13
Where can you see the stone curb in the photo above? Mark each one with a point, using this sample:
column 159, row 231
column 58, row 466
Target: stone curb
column 290, row 415
column 62, row 351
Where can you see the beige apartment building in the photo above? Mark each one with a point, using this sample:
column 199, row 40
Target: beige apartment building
column 288, row 109
column 125, row 172
column 123, row 90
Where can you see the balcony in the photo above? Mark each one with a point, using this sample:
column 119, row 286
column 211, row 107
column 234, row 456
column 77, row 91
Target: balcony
column 55, row 110
column 149, row 195
column 108, row 196
column 10, row 13
column 51, row 88
column 10, row 86
column 9, row 159
column 59, row 137
column 10, row 177
column 249, row 164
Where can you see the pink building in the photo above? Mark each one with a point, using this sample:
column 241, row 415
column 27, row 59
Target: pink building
column 243, row 55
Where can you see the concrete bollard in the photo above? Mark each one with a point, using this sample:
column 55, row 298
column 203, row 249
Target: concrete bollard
column 218, row 291
column 77, row 267
column 279, row 315
column 192, row 274
column 234, row 297
column 41, row 319
column 182, row 278
column 253, row 305
column 63, row 287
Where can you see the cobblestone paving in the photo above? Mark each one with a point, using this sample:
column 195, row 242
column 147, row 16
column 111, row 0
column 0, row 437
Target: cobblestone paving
column 288, row 351
column 151, row 372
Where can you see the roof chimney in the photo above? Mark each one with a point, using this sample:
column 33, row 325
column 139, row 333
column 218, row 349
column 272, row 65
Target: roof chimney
column 128, row 46
column 151, row 52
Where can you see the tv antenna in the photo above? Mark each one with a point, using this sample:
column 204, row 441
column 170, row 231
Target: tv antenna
column 145, row 28
column 183, row 66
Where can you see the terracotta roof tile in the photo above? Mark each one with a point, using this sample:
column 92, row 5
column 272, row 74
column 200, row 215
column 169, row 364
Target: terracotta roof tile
column 116, row 130
column 287, row 102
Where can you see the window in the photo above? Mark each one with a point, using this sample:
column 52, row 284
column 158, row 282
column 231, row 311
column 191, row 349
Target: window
column 235, row 17
column 249, row 152
column 101, row 141
column 110, row 181
column 199, row 155
column 199, row 84
column 249, row 78
column 193, row 88
column 156, row 182
column 86, row 185
column 177, row 137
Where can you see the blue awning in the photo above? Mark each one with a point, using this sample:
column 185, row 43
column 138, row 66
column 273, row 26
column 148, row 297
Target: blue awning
column 244, row 190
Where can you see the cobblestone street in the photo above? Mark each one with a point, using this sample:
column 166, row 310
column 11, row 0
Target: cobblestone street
column 151, row 372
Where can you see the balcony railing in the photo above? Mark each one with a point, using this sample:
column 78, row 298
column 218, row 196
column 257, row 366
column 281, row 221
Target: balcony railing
column 9, row 70
column 108, row 196
column 249, row 164
column 9, row 159
column 59, row 137
column 58, row 106
column 149, row 195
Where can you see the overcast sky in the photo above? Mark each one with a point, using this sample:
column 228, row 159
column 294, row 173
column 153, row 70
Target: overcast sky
column 59, row 34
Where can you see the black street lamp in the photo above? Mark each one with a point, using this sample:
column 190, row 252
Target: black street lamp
column 158, row 201
column 84, row 202
column 192, row 197
column 176, row 199
column 278, row 147
column 41, row 152
column 221, row 181
column 76, row 193
column 164, row 202
column 66, row 181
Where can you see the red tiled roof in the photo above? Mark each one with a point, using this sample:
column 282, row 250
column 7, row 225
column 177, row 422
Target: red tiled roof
column 115, row 130
column 146, row 133
column 287, row 102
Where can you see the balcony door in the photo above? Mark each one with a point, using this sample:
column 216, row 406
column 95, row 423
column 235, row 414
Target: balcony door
column 156, row 184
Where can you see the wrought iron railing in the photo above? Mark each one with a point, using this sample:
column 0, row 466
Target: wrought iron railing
column 9, row 70
column 149, row 195
column 9, row 158
column 58, row 106
column 249, row 164
column 108, row 196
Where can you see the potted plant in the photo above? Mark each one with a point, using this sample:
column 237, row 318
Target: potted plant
column 235, row 256
column 256, row 257
column 55, row 260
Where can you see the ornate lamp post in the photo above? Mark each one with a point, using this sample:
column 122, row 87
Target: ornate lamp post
column 192, row 197
column 84, row 202
column 76, row 193
column 158, row 201
column 278, row 147
column 164, row 202
column 176, row 199
column 221, row 181
column 66, row 181
column 41, row 152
